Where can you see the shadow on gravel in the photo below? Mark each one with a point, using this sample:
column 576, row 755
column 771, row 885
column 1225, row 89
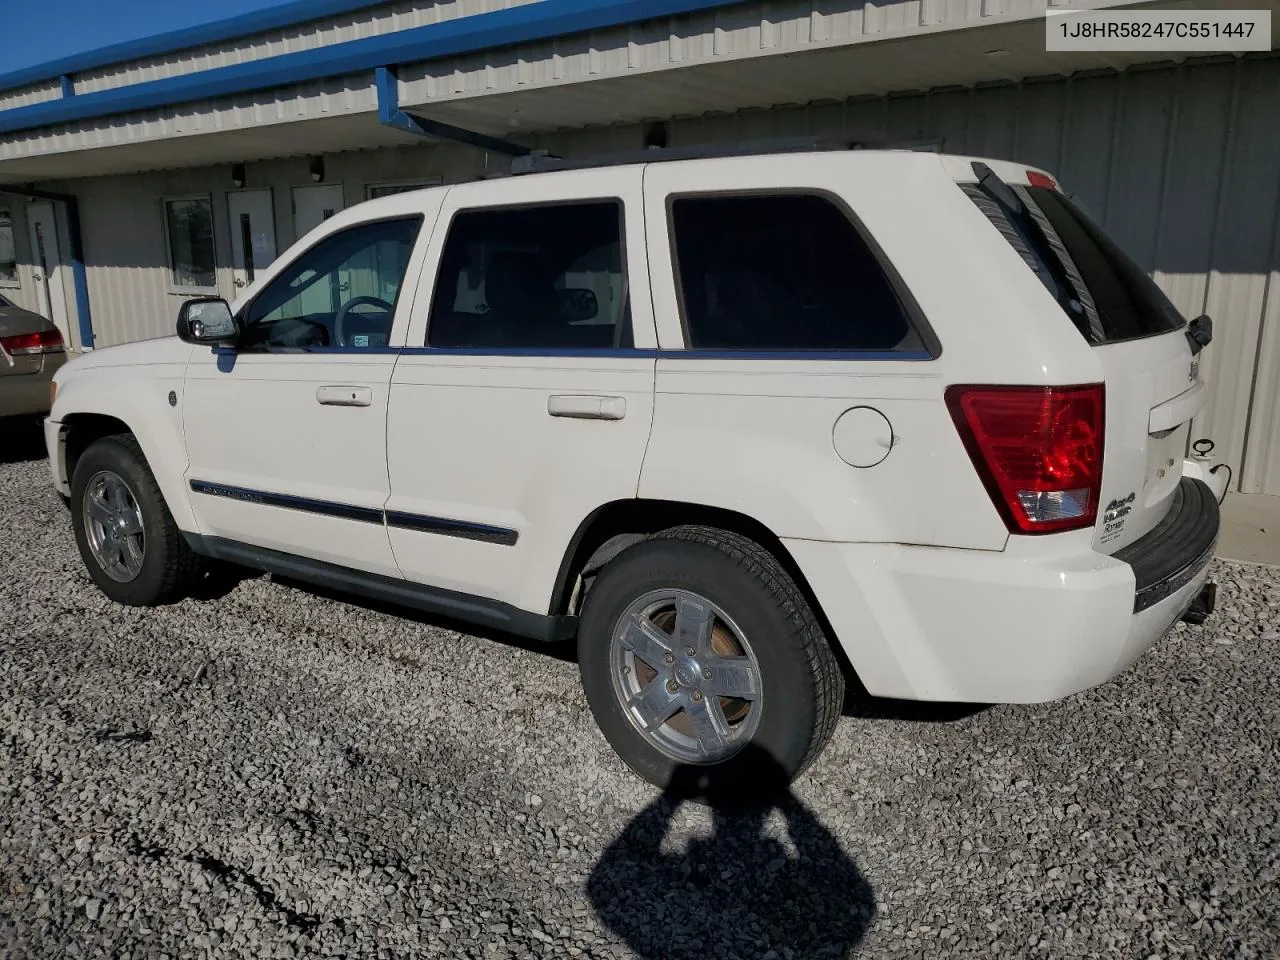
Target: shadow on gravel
column 739, row 893
column 21, row 439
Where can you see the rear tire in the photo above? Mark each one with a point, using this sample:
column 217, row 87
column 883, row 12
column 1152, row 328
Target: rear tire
column 763, row 642
column 130, row 544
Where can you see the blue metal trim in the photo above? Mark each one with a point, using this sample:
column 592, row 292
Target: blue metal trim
column 847, row 355
column 67, row 87
column 621, row 352
column 343, row 511
column 284, row 15
column 452, row 528
column 389, row 114
column 500, row 28
column 625, row 352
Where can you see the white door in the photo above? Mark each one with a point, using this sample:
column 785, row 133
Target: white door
column 286, row 435
column 530, row 405
column 253, row 234
column 48, row 266
column 312, row 206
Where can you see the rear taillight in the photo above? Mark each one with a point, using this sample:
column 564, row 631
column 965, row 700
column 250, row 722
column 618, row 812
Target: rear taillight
column 46, row 341
column 1037, row 449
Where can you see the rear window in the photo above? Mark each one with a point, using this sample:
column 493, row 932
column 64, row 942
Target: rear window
column 1102, row 291
column 782, row 272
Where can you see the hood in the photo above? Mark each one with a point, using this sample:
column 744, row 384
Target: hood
column 163, row 350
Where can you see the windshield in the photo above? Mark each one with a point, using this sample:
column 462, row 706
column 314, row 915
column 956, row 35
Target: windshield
column 1100, row 288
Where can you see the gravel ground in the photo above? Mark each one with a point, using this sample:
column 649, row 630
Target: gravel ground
column 275, row 773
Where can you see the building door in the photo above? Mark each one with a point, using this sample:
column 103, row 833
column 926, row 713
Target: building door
column 312, row 206
column 253, row 234
column 48, row 266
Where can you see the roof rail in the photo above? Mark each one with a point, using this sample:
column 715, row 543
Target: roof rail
column 540, row 161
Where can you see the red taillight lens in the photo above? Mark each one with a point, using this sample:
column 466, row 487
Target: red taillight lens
column 46, row 341
column 1037, row 449
column 1037, row 179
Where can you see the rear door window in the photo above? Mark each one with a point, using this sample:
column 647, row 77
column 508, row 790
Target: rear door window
column 779, row 273
column 1101, row 289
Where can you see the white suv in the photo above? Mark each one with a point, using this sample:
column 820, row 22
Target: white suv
column 746, row 426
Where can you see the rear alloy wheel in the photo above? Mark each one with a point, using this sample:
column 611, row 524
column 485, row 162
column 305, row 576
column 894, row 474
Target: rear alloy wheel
column 685, row 676
column 131, row 547
column 705, row 667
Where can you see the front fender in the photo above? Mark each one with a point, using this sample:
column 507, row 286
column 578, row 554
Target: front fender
column 139, row 397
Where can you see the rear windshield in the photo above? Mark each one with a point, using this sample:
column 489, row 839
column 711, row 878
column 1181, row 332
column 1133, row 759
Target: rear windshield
column 1099, row 287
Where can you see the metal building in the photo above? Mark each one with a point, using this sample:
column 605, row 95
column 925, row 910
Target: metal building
column 174, row 165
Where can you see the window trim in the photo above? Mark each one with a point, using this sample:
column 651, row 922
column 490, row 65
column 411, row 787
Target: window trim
column 932, row 346
column 16, row 282
column 618, row 202
column 242, row 315
column 415, row 183
column 170, row 285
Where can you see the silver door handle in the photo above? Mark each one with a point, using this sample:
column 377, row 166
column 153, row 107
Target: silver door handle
column 340, row 396
column 587, row 407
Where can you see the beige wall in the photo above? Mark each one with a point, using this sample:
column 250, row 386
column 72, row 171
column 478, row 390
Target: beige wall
column 1180, row 163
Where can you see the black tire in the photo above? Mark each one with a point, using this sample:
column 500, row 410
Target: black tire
column 169, row 567
column 802, row 686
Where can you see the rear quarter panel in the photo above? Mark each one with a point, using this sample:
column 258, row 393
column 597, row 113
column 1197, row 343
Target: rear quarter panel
column 755, row 435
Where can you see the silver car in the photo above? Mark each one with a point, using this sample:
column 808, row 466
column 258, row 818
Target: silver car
column 31, row 350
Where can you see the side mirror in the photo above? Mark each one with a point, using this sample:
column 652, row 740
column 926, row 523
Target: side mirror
column 207, row 320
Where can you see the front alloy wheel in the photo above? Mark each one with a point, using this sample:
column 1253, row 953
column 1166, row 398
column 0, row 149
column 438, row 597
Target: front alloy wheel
column 113, row 526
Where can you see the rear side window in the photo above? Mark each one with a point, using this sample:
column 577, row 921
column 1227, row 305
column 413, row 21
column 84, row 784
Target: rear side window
column 783, row 272
column 539, row 277
column 1100, row 288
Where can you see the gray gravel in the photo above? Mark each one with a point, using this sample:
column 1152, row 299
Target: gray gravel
column 279, row 774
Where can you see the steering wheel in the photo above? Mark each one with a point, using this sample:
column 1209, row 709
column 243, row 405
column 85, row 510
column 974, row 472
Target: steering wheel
column 339, row 337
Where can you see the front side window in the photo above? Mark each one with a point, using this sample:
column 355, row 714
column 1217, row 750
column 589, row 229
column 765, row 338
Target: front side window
column 340, row 293
column 782, row 272
column 548, row 277
column 189, row 227
column 8, row 249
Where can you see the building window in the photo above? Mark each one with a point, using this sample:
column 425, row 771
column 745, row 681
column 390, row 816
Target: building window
column 783, row 272
column 375, row 190
column 188, row 224
column 545, row 277
column 8, row 251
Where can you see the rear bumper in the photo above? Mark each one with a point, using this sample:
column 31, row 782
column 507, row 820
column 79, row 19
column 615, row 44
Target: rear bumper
column 1044, row 618
column 28, row 393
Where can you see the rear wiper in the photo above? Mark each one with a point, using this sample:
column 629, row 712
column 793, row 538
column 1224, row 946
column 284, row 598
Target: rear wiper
column 990, row 181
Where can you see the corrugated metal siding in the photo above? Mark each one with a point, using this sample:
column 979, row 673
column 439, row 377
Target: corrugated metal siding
column 323, row 98
column 373, row 21
column 1179, row 163
column 26, row 96
column 749, row 30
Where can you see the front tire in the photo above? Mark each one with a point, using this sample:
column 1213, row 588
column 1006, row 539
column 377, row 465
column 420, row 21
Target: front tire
column 705, row 667
column 127, row 538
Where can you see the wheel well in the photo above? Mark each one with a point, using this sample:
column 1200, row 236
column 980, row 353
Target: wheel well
column 82, row 429
column 615, row 526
